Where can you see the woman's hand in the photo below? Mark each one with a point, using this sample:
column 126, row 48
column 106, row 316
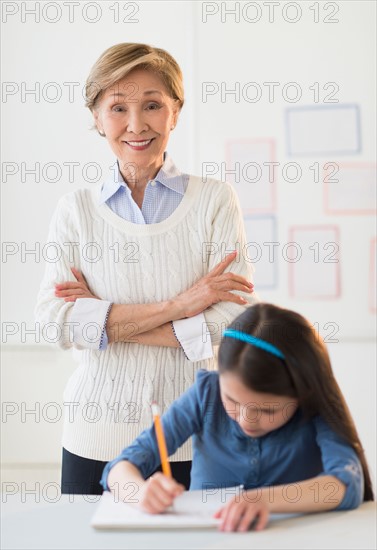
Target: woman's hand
column 243, row 510
column 212, row 288
column 70, row 291
column 158, row 493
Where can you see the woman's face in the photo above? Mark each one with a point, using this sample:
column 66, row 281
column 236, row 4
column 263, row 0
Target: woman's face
column 256, row 413
column 137, row 114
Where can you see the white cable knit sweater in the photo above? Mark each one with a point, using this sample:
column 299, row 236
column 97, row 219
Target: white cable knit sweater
column 107, row 399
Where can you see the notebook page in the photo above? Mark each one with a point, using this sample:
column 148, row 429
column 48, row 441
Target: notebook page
column 191, row 509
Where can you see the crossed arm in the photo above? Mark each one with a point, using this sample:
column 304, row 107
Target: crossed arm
column 149, row 324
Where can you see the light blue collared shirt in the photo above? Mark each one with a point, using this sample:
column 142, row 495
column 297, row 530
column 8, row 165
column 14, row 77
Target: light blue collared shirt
column 162, row 194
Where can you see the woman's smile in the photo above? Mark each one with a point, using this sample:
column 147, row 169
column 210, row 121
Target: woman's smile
column 150, row 110
column 137, row 145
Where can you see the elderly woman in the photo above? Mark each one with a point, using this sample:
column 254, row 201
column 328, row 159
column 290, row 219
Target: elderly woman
column 142, row 290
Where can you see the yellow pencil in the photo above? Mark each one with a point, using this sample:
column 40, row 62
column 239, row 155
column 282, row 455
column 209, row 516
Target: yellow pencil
column 161, row 440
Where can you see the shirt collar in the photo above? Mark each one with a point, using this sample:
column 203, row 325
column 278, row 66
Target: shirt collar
column 168, row 175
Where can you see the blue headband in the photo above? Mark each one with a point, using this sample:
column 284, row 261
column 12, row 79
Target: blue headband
column 254, row 341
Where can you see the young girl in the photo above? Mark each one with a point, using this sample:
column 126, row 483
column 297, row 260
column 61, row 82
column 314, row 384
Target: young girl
column 273, row 419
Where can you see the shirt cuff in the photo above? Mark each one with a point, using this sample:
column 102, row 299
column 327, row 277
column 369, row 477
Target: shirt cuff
column 88, row 322
column 104, row 340
column 194, row 337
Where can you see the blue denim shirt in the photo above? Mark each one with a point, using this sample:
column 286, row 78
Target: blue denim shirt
column 224, row 456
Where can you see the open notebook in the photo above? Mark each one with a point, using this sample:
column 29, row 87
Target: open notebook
column 191, row 509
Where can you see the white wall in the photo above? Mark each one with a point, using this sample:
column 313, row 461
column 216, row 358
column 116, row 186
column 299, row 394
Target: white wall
column 302, row 53
column 210, row 50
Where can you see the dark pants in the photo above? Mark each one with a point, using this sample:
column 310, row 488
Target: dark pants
column 81, row 476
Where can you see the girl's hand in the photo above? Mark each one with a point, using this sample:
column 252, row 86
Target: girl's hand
column 158, row 493
column 240, row 512
column 70, row 291
column 212, row 288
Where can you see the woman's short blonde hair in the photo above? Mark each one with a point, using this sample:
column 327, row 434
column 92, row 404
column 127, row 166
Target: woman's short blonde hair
column 119, row 60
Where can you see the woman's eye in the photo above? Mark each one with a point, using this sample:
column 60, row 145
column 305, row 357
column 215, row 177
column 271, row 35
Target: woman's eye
column 117, row 108
column 153, row 106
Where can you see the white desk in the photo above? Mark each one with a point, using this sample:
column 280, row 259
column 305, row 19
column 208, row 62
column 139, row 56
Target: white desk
column 65, row 525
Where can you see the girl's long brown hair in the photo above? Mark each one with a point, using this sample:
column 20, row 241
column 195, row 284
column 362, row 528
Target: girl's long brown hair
column 305, row 373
